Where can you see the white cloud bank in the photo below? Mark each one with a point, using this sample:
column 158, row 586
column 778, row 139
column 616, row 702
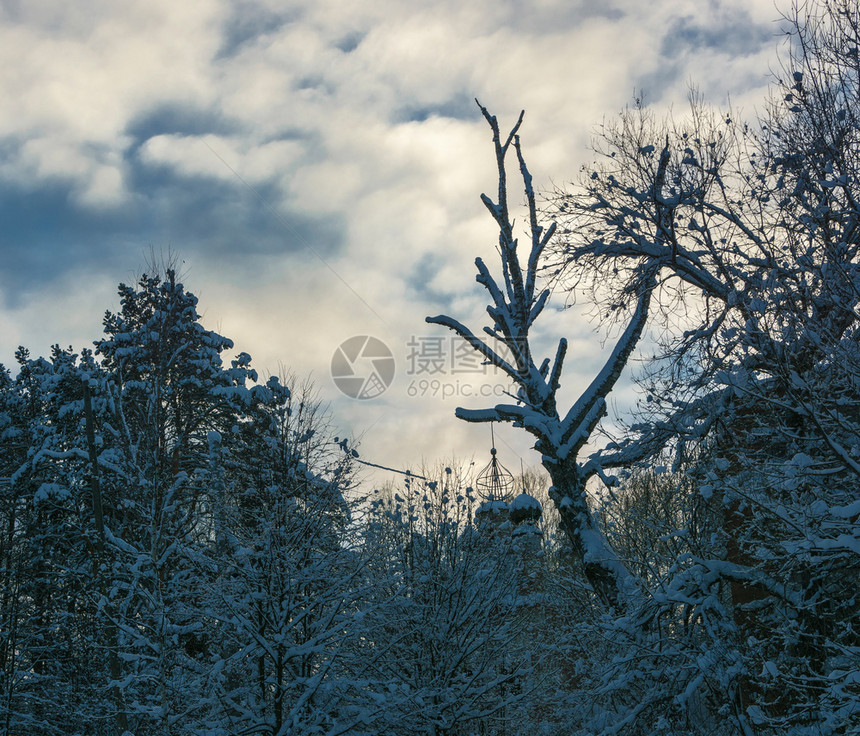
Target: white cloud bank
column 358, row 114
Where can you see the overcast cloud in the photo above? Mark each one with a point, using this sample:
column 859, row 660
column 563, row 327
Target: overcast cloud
column 316, row 166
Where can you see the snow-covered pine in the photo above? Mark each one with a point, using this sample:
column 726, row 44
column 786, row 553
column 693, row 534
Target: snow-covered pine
column 282, row 579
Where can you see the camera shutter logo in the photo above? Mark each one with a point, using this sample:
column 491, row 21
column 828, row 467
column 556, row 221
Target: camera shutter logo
column 362, row 367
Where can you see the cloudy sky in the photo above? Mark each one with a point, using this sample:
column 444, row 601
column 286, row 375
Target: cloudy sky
column 316, row 167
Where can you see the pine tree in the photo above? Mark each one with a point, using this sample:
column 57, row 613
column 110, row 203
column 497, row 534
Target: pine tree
column 165, row 389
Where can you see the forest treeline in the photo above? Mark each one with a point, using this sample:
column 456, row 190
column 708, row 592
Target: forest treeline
column 184, row 550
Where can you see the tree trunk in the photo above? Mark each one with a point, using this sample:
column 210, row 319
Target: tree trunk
column 98, row 516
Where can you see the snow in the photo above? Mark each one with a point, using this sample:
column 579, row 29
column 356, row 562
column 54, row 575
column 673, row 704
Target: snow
column 526, row 502
column 51, row 492
column 526, row 529
column 494, row 506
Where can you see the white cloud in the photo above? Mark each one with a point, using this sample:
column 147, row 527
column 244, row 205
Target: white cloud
column 340, row 108
column 218, row 157
column 67, row 312
column 105, row 188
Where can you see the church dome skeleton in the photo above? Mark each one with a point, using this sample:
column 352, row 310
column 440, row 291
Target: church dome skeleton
column 495, row 481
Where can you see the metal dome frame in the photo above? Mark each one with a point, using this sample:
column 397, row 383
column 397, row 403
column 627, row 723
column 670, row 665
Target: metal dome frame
column 495, row 481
